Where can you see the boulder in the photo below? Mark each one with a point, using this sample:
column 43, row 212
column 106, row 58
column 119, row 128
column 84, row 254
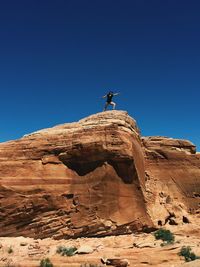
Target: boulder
column 84, row 249
column 116, row 262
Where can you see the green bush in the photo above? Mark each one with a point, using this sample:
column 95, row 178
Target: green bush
column 66, row 251
column 164, row 235
column 187, row 254
column 10, row 250
column 46, row 263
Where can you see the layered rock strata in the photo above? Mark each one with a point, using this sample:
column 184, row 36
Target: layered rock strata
column 77, row 179
column 172, row 184
column 95, row 177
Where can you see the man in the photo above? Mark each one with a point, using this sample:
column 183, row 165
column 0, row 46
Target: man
column 109, row 100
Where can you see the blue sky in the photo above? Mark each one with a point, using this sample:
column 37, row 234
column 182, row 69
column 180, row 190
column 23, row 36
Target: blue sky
column 57, row 58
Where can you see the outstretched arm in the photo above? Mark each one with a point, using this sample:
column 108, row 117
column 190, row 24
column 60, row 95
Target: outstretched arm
column 104, row 96
column 116, row 93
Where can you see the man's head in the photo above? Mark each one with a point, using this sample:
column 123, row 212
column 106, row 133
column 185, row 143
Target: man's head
column 111, row 92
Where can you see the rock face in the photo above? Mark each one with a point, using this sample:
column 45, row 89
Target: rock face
column 172, row 179
column 95, row 177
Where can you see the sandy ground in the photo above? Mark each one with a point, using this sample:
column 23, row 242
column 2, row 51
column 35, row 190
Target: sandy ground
column 140, row 249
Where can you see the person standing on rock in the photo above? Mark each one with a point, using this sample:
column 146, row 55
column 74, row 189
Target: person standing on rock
column 109, row 100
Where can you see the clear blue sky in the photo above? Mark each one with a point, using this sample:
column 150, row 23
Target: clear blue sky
column 58, row 57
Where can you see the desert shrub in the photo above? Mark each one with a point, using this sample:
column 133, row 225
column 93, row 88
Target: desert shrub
column 10, row 250
column 46, row 263
column 188, row 254
column 164, row 235
column 66, row 251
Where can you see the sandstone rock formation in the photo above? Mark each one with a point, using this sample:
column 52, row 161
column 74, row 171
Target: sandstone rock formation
column 95, row 177
column 172, row 179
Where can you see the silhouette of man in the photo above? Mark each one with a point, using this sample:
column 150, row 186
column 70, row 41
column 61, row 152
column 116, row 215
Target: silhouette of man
column 109, row 101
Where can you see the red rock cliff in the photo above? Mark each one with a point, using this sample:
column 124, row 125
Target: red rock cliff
column 75, row 179
column 172, row 179
column 95, row 177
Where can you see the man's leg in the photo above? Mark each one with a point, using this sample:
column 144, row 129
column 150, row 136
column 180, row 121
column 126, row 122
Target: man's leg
column 106, row 105
column 113, row 104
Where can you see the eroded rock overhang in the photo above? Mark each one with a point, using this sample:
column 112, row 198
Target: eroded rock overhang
column 78, row 179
